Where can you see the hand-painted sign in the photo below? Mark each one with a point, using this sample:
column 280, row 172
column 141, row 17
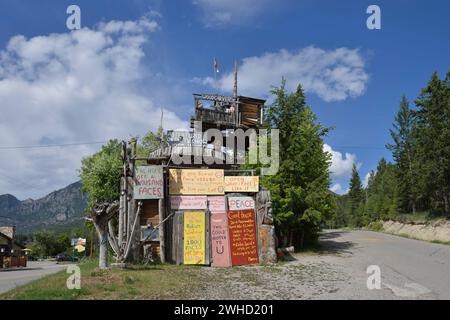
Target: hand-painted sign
column 188, row 202
column 216, row 204
column 220, row 242
column 241, row 203
column 241, row 184
column 149, row 183
column 196, row 182
column 194, row 237
column 243, row 243
column 78, row 242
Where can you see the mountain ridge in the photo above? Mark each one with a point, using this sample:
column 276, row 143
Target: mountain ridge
column 63, row 208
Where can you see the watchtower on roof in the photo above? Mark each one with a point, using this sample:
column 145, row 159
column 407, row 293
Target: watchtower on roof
column 227, row 112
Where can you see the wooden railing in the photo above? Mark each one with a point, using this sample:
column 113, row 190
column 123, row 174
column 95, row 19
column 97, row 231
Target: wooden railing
column 213, row 116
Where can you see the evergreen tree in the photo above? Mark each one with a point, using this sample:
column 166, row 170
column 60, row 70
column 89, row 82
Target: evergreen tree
column 403, row 153
column 355, row 198
column 433, row 138
column 300, row 197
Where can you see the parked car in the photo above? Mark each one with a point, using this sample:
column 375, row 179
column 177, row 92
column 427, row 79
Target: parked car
column 64, row 257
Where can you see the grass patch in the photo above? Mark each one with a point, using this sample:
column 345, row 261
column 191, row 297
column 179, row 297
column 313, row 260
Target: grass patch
column 162, row 281
column 423, row 216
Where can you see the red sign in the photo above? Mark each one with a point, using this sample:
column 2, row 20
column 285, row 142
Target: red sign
column 220, row 242
column 242, row 228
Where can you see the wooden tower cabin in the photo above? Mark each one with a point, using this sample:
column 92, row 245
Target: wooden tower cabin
column 197, row 213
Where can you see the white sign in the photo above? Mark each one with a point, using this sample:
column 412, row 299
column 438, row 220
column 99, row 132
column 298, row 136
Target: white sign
column 149, row 183
column 241, row 203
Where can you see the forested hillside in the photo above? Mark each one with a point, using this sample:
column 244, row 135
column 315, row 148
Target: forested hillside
column 418, row 180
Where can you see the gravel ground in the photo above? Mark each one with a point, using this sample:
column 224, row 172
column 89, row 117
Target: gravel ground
column 410, row 269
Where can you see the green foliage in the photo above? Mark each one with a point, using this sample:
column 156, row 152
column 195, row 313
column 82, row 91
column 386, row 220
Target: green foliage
column 433, row 144
column 100, row 173
column 355, row 198
column 49, row 244
column 382, row 193
column 301, row 200
column 404, row 151
column 420, row 177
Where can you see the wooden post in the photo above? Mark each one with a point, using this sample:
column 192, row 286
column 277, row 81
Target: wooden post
column 162, row 243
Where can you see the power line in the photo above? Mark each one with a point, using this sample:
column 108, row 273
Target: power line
column 51, row 145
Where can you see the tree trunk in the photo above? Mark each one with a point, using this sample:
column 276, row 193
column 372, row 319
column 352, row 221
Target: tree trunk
column 102, row 231
column 446, row 204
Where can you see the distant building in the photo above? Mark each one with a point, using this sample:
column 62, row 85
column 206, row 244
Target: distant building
column 11, row 253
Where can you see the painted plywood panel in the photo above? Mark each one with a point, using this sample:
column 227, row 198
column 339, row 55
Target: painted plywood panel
column 216, row 204
column 243, row 243
column 241, row 203
column 196, row 181
column 241, row 184
column 194, row 237
column 188, row 202
column 148, row 183
column 220, row 242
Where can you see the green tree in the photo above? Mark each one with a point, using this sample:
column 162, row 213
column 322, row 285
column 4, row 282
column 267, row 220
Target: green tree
column 403, row 152
column 300, row 197
column 355, row 198
column 381, row 200
column 100, row 173
column 433, row 139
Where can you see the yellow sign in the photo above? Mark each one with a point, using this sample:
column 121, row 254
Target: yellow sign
column 80, row 248
column 196, row 182
column 241, row 184
column 194, row 237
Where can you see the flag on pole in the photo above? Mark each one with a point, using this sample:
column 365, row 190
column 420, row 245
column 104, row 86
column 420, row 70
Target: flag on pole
column 216, row 66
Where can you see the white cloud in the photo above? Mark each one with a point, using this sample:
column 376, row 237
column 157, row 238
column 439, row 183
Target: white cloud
column 366, row 179
column 333, row 75
column 337, row 188
column 75, row 86
column 218, row 13
column 341, row 165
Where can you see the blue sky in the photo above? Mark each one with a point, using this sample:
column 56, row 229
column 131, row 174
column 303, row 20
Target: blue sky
column 172, row 58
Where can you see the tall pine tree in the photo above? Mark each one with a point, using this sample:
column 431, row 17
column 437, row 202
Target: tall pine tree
column 433, row 138
column 300, row 196
column 355, row 198
column 403, row 153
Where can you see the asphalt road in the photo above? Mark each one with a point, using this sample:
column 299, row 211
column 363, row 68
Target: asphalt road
column 410, row 269
column 10, row 279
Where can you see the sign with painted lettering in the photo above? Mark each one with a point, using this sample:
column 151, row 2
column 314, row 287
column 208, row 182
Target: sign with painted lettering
column 194, row 237
column 241, row 184
column 188, row 202
column 243, row 243
column 149, row 183
column 220, row 242
column 216, row 204
column 196, row 182
column 240, row 203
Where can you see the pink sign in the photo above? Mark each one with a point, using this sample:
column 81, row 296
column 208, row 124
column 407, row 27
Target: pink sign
column 220, row 243
column 188, row 202
column 216, row 204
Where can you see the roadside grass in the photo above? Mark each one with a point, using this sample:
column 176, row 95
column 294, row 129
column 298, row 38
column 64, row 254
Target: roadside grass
column 162, row 281
column 422, row 216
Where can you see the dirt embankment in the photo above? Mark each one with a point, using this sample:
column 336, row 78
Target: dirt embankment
column 429, row 231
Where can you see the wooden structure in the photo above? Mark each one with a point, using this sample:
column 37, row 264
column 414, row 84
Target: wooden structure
column 11, row 253
column 227, row 112
column 166, row 208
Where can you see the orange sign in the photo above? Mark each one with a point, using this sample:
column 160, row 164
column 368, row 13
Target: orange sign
column 242, row 184
column 196, row 182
